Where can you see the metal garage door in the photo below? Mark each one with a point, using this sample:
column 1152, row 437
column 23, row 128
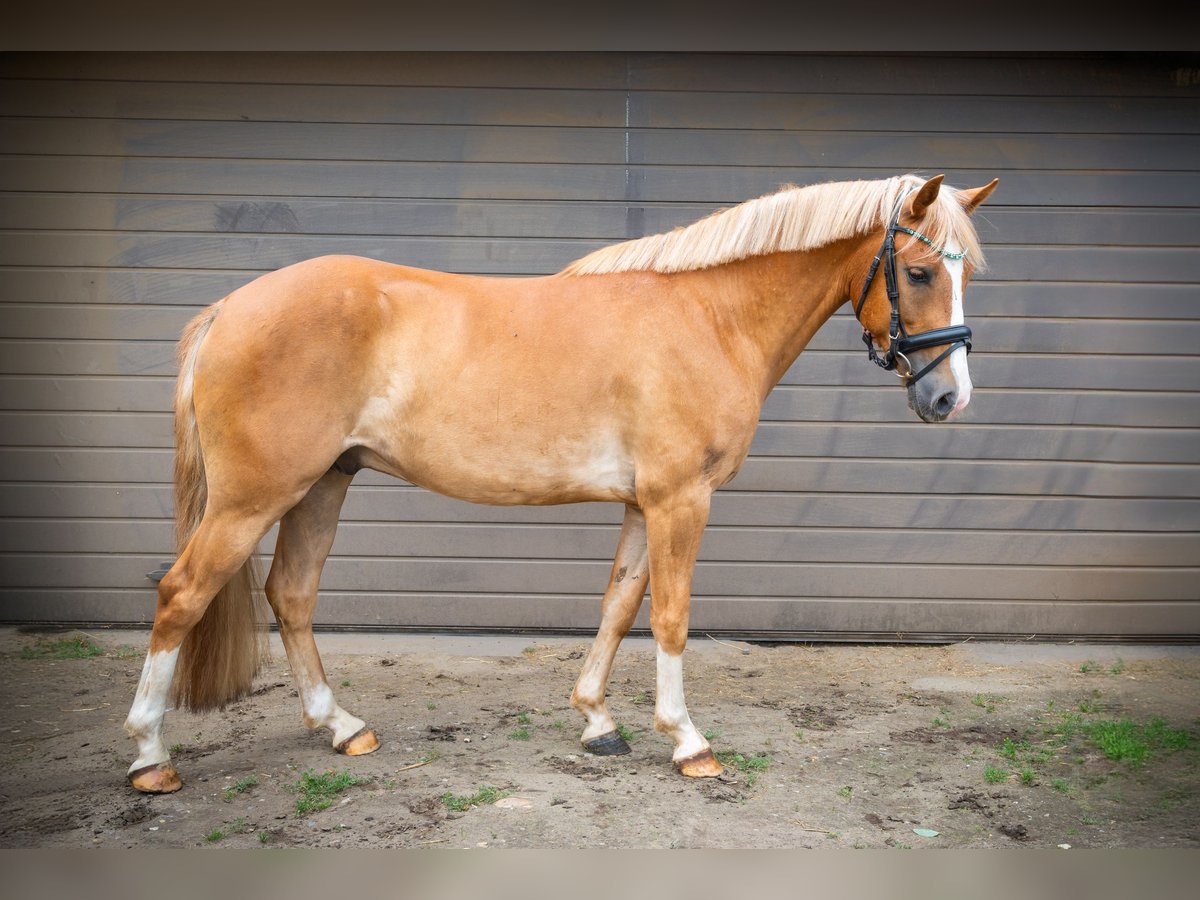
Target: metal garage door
column 136, row 188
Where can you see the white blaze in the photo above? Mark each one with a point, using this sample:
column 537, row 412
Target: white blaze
column 958, row 359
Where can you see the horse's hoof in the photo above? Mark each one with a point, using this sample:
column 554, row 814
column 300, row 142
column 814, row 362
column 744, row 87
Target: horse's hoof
column 609, row 744
column 700, row 765
column 158, row 778
column 360, row 743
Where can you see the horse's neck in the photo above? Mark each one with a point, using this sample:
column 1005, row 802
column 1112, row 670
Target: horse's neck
column 775, row 304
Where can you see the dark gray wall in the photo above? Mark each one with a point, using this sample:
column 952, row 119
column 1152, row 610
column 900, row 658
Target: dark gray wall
column 137, row 188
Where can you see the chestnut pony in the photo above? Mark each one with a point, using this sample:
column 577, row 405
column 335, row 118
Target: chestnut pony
column 636, row 375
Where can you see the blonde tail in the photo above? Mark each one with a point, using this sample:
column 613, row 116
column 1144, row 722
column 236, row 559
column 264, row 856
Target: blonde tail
column 222, row 653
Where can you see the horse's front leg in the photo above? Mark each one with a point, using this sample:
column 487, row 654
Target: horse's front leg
column 674, row 528
column 622, row 599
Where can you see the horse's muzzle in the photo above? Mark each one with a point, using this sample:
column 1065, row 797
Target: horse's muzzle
column 933, row 399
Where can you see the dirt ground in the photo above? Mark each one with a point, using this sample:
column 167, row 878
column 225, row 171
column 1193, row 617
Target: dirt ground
column 975, row 745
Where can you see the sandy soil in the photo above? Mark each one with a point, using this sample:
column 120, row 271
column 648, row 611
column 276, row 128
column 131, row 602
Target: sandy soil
column 841, row 746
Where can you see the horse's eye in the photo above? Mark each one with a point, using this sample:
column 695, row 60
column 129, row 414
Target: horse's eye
column 917, row 276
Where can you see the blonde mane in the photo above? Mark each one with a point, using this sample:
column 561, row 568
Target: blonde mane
column 793, row 218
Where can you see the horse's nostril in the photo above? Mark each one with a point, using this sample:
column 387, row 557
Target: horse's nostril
column 944, row 405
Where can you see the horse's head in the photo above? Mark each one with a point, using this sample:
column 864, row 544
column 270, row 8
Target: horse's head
column 912, row 316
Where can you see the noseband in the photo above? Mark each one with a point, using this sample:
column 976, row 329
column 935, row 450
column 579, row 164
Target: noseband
column 901, row 342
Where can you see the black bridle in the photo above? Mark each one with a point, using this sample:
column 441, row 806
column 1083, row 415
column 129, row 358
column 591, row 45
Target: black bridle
column 901, row 342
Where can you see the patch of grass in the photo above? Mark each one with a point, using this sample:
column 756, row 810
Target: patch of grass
column 1025, row 754
column 759, row 762
column 1120, row 740
column 175, row 748
column 712, row 734
column 519, row 734
column 240, row 787
column 628, row 734
column 523, row 718
column 239, row 825
column 643, row 697
column 1088, row 666
column 846, row 792
column 264, row 837
column 126, row 652
column 558, row 723
column 431, row 705
column 992, row 775
column 1160, row 736
column 1117, row 668
column 215, row 835
column 1125, row 740
column 482, row 797
column 1010, row 748
column 751, row 766
column 939, row 722
column 1063, row 732
column 986, row 702
column 345, row 682
column 317, row 791
column 77, row 646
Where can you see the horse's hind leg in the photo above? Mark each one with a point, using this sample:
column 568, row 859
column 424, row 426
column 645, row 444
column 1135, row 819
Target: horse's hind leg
column 626, row 587
column 305, row 536
column 221, row 545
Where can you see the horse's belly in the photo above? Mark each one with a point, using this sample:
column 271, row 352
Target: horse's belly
column 501, row 473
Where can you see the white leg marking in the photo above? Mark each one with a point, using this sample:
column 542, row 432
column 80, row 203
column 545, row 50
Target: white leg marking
column 322, row 710
column 670, row 711
column 144, row 723
column 589, row 699
column 958, row 359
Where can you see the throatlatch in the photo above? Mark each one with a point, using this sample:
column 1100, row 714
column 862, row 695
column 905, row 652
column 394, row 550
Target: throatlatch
column 900, row 341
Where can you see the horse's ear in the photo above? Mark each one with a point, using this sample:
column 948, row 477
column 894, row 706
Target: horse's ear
column 972, row 198
column 925, row 196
